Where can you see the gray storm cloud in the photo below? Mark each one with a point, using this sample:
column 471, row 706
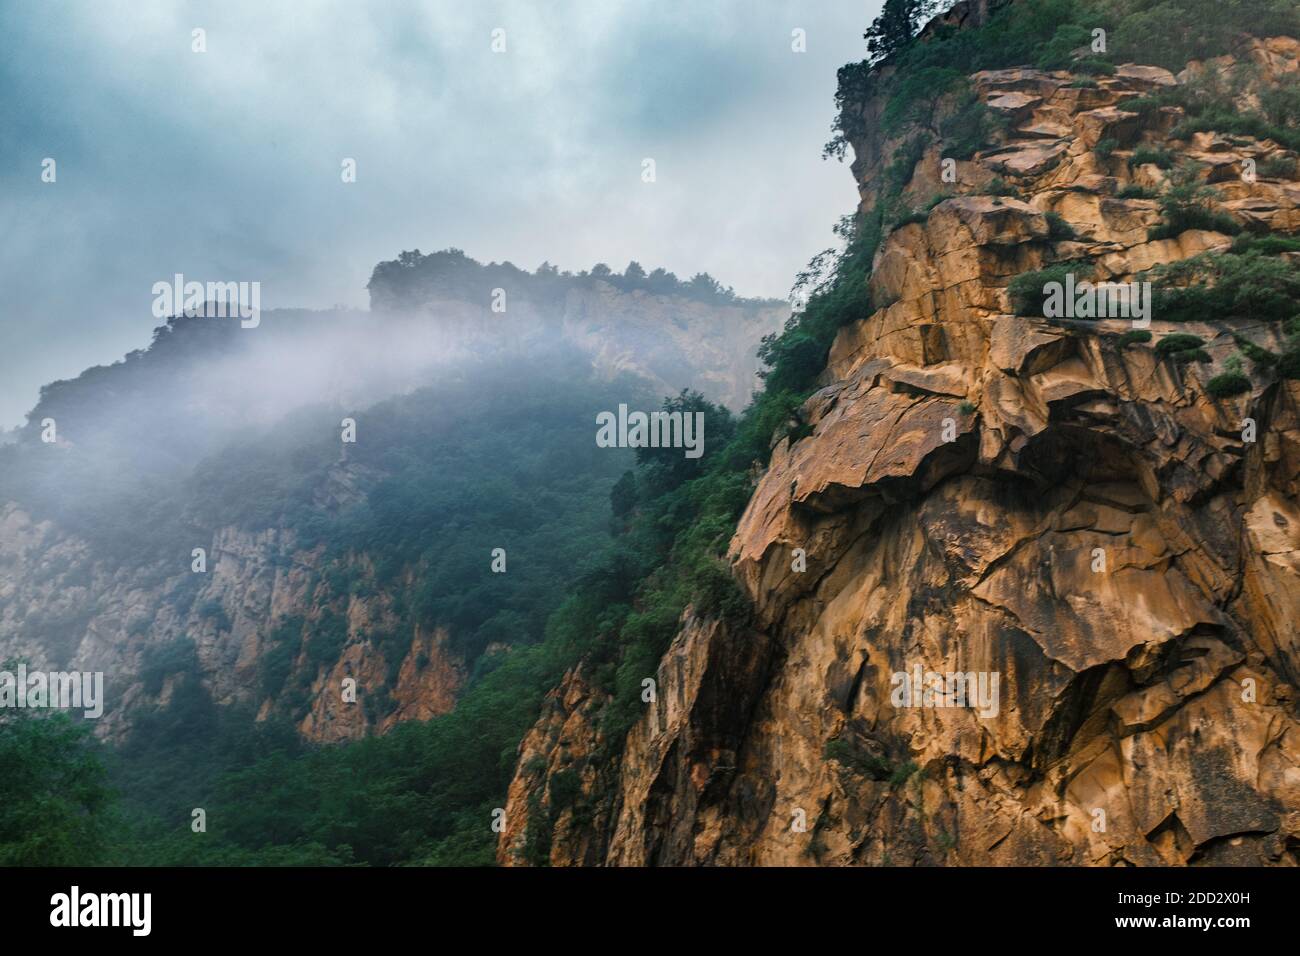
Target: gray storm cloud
column 225, row 165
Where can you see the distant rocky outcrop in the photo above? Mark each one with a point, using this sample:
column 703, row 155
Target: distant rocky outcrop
column 668, row 331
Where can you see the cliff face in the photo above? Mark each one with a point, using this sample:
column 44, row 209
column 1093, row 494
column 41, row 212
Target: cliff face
column 990, row 494
column 62, row 607
column 670, row 340
column 669, row 332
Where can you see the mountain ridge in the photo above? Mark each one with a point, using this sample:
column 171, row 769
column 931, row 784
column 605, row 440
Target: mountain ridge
column 227, row 438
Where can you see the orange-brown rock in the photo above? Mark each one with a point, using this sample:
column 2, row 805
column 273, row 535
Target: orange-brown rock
column 987, row 494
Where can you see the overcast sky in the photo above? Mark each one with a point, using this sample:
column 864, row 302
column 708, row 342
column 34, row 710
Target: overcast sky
column 225, row 165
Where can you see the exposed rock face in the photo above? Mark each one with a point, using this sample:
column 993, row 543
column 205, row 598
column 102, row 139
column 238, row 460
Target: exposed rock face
column 670, row 340
column 1007, row 498
column 60, row 608
column 428, row 682
column 565, row 742
column 670, row 333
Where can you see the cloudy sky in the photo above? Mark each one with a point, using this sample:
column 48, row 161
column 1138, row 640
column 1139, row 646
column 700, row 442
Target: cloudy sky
column 225, row 165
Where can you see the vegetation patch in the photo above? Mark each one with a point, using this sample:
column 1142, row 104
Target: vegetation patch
column 1182, row 348
column 1153, row 155
column 1225, row 286
column 1187, row 204
column 1029, row 289
column 1231, row 381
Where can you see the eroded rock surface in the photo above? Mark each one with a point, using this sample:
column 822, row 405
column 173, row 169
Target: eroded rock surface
column 990, row 494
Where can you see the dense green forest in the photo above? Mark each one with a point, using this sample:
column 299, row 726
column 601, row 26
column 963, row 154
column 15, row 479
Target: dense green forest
column 424, row 793
column 491, row 455
column 414, row 278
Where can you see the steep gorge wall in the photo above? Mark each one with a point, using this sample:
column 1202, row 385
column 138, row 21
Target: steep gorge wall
column 672, row 333
column 63, row 607
column 988, row 492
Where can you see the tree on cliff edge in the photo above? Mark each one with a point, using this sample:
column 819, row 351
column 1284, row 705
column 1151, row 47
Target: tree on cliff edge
column 898, row 23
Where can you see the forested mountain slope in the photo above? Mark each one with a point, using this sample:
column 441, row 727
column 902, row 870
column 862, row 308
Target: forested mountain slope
column 320, row 527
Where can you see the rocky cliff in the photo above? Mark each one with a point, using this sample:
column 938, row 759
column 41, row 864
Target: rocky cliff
column 65, row 607
column 670, row 332
column 1025, row 590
